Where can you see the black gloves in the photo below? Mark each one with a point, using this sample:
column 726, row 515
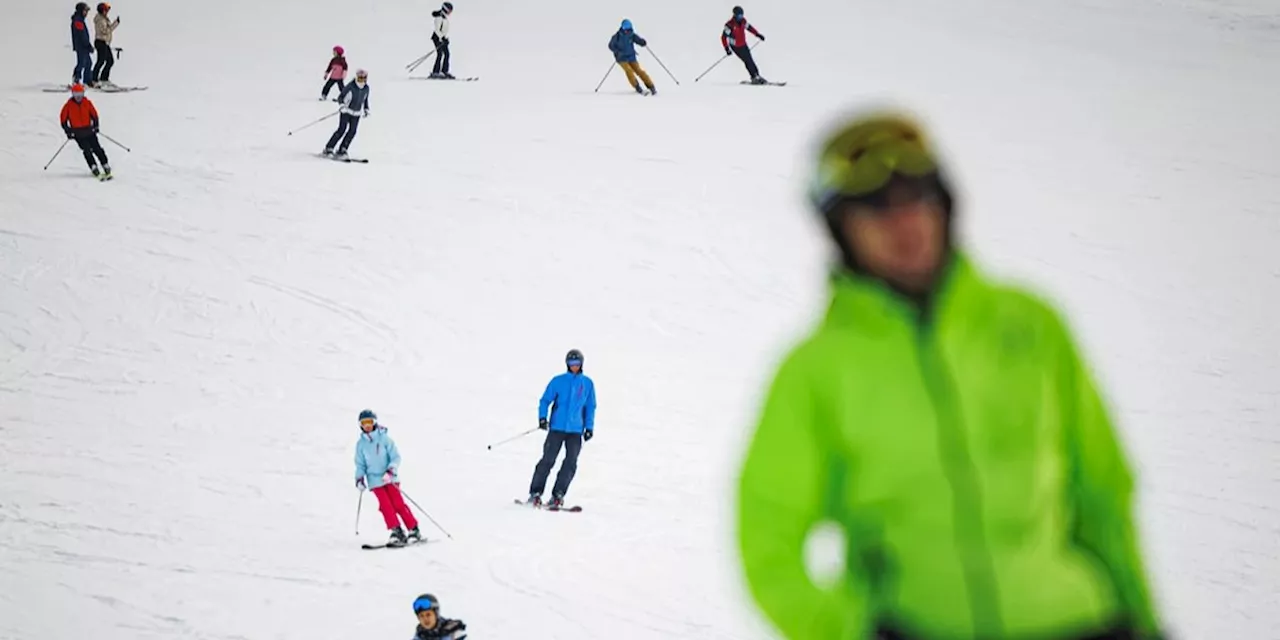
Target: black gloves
column 542, row 424
column 70, row 134
column 728, row 51
column 586, row 435
column 761, row 36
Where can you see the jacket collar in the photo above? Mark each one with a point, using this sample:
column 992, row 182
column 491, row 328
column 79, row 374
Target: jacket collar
column 869, row 304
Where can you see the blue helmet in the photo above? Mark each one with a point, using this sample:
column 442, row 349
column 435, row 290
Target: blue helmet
column 368, row 414
column 626, row 25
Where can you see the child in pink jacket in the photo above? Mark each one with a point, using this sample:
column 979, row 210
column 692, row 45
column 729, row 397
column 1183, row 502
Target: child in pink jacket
column 335, row 73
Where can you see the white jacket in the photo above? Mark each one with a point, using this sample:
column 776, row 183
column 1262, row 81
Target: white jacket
column 442, row 25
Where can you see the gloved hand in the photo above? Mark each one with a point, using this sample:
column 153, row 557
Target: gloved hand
column 71, row 135
column 542, row 424
column 728, row 51
column 444, row 41
column 586, row 435
column 360, row 483
column 761, row 36
column 366, row 113
column 389, row 477
column 95, row 130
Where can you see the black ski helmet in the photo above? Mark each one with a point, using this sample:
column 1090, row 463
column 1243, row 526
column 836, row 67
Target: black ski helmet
column 737, row 11
column 448, row 7
column 572, row 356
column 368, row 414
column 426, row 602
column 81, row 6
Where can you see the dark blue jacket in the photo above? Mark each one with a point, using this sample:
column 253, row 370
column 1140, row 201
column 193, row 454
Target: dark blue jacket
column 354, row 99
column 80, row 38
column 574, row 397
column 623, row 45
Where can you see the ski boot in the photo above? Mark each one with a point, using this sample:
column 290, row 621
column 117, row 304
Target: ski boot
column 328, row 153
column 759, row 80
column 653, row 91
column 106, row 172
column 535, row 500
column 340, row 155
column 436, row 75
column 639, row 89
column 556, row 504
column 398, row 538
column 96, row 172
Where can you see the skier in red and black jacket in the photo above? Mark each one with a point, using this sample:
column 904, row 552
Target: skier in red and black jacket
column 734, row 41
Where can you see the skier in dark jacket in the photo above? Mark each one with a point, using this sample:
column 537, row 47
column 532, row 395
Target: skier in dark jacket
column 355, row 105
column 430, row 625
column 83, row 45
column 734, row 41
column 623, row 45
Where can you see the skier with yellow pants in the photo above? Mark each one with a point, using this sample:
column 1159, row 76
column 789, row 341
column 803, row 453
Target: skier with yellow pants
column 947, row 424
column 623, row 45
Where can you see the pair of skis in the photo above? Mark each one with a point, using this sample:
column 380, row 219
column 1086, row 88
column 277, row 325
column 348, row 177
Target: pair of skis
column 388, row 545
column 544, row 507
column 467, row 79
column 347, row 159
column 66, row 88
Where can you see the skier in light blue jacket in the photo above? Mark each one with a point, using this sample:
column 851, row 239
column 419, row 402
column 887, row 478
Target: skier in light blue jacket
column 377, row 460
column 571, row 398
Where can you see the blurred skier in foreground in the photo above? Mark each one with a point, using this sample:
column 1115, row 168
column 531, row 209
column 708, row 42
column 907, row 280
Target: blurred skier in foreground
column 948, row 424
column 430, row 625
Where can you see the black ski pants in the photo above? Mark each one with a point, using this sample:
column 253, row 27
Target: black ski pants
column 442, row 54
column 572, row 443
column 333, row 82
column 88, row 141
column 106, row 60
column 745, row 54
column 347, row 125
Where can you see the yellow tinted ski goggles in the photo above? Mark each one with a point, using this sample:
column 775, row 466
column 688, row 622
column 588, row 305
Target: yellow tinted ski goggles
column 863, row 156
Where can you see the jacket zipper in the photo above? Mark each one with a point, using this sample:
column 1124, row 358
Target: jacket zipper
column 958, row 466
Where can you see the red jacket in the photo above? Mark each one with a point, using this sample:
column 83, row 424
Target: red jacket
column 78, row 115
column 735, row 33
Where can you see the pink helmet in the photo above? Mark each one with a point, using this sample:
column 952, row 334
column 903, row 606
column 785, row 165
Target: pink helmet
column 339, row 50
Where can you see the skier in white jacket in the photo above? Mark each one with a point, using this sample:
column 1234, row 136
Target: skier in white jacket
column 440, row 37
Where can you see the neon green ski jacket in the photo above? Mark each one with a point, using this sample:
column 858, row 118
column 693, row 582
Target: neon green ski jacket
column 969, row 460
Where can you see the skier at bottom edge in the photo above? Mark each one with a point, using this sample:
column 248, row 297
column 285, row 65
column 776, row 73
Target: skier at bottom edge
column 431, row 625
column 571, row 397
column 377, row 460
column 355, row 104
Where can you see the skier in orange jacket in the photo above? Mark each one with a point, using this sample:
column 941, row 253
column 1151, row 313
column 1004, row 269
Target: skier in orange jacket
column 79, row 120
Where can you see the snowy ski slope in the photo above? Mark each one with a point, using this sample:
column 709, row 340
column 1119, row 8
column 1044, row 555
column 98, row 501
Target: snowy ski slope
column 183, row 351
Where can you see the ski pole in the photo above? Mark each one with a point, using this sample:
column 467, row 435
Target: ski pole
column 726, row 57
column 420, row 61
column 664, row 67
column 424, row 512
column 59, row 152
column 359, row 504
column 606, row 76
column 315, row 122
column 515, row 437
column 116, row 143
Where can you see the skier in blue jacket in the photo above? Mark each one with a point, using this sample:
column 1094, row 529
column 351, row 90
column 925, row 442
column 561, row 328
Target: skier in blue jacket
column 377, row 461
column 571, row 398
column 82, row 43
column 623, row 45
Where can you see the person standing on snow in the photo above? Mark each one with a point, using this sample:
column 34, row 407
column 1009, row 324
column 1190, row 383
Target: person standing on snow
column 82, row 45
column 335, row 73
column 948, row 424
column 377, row 464
column 623, row 45
column 572, row 399
column 103, row 29
column 79, row 119
column 440, row 38
column 426, row 608
column 355, row 104
column 734, row 41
